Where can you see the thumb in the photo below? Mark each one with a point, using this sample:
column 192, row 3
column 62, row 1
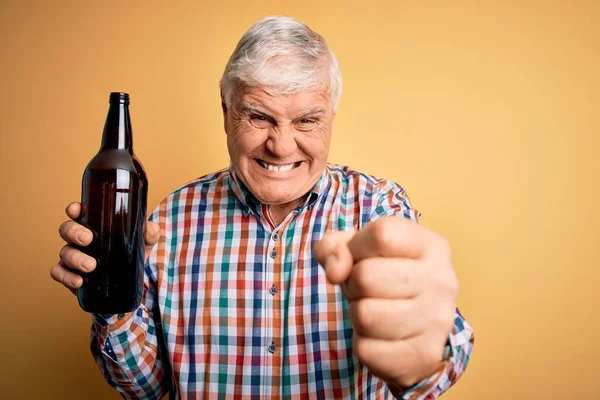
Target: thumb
column 151, row 235
column 333, row 254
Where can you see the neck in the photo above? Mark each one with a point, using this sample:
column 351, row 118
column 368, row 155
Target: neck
column 117, row 129
column 279, row 212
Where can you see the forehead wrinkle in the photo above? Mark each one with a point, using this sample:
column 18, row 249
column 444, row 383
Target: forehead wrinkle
column 250, row 101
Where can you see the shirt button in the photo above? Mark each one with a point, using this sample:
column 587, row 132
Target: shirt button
column 273, row 253
column 272, row 348
column 275, row 236
column 273, row 290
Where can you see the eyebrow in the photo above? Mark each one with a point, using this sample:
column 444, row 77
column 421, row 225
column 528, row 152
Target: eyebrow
column 249, row 107
column 254, row 108
column 311, row 112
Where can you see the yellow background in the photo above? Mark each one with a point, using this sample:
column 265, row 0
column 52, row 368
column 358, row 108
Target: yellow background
column 486, row 111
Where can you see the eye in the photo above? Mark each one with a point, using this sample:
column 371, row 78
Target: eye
column 260, row 121
column 306, row 124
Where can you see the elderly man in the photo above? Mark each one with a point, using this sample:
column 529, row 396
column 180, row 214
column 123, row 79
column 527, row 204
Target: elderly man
column 283, row 276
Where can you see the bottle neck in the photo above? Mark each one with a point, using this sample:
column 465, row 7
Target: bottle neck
column 117, row 129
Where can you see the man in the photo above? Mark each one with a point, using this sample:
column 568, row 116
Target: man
column 282, row 276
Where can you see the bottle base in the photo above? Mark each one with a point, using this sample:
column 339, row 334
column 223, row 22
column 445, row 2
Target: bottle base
column 108, row 306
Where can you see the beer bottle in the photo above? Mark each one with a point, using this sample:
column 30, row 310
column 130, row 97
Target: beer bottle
column 113, row 198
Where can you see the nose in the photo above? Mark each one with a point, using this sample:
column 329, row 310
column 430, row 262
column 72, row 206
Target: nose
column 281, row 142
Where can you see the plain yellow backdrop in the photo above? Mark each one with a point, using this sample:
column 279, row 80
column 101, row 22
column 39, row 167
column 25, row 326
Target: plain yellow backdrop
column 486, row 111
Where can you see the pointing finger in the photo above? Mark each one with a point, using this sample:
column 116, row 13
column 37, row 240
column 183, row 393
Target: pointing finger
column 333, row 254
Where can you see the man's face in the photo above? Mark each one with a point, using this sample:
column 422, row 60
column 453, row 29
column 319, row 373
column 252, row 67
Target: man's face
column 278, row 144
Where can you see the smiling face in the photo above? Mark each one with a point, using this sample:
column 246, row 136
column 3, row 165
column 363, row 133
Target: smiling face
column 278, row 144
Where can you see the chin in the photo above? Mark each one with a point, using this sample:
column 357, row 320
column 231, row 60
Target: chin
column 278, row 198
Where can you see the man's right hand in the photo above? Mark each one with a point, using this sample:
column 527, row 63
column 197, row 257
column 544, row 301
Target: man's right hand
column 72, row 261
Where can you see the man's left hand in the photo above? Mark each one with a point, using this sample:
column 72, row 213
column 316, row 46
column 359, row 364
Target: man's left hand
column 401, row 287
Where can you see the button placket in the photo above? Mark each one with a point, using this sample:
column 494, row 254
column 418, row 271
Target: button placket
column 273, row 290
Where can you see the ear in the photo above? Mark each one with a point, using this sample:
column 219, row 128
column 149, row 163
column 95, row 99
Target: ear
column 224, row 107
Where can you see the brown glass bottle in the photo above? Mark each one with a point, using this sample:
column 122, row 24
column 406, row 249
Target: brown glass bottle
column 114, row 197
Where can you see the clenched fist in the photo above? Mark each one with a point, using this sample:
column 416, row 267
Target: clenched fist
column 401, row 287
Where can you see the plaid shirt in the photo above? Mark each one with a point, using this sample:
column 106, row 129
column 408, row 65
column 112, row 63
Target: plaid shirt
column 235, row 307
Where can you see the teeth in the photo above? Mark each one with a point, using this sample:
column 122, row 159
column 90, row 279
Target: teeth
column 282, row 168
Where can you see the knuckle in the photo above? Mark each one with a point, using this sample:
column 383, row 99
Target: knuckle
column 67, row 230
column 450, row 317
column 364, row 315
column 448, row 283
column 62, row 228
column 362, row 278
column 54, row 272
column 71, row 232
column 66, row 254
column 382, row 232
column 439, row 318
column 453, row 284
column 63, row 253
column 442, row 245
column 73, row 258
column 321, row 248
column 433, row 354
column 406, row 279
column 59, row 274
column 361, row 349
column 444, row 319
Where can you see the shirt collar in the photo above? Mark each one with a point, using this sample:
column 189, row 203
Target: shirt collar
column 319, row 188
column 251, row 203
column 245, row 197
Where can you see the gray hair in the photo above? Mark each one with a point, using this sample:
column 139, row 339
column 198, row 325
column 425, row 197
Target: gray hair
column 282, row 56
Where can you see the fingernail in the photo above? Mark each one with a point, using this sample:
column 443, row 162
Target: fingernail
column 76, row 282
column 89, row 264
column 84, row 237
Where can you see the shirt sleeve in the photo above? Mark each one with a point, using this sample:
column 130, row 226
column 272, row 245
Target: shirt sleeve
column 127, row 347
column 393, row 200
column 461, row 340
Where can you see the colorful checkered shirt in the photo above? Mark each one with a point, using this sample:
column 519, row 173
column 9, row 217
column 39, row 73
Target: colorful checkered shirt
column 238, row 308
